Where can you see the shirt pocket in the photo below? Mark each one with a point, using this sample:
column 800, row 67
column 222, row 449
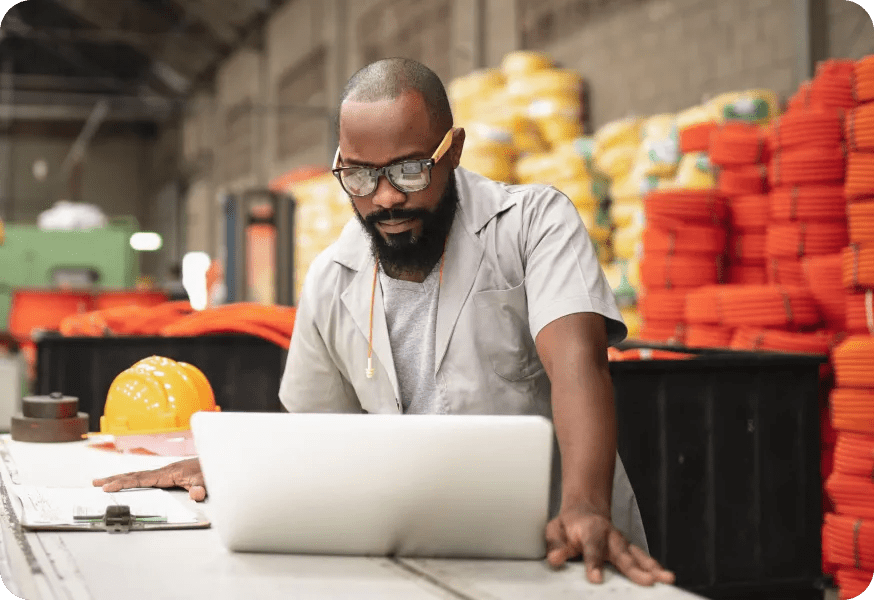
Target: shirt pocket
column 503, row 333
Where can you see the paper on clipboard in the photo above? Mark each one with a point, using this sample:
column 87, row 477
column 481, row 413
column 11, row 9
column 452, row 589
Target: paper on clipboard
column 48, row 507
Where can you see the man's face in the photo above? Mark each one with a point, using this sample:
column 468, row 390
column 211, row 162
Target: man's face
column 407, row 231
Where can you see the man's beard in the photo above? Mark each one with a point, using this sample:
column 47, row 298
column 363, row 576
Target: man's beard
column 408, row 253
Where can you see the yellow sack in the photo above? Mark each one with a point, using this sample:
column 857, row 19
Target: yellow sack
column 696, row 116
column 695, row 173
column 628, row 242
column 617, row 161
column 581, row 192
column 633, row 321
column 546, row 82
column 757, row 106
column 523, row 62
column 622, row 132
column 627, row 212
column 476, row 84
column 562, row 163
column 659, row 152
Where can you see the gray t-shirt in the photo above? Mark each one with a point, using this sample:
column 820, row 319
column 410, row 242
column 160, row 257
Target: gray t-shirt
column 411, row 316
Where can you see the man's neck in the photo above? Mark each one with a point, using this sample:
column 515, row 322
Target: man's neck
column 405, row 275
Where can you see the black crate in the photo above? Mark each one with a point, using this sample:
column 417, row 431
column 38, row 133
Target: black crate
column 244, row 371
column 723, row 453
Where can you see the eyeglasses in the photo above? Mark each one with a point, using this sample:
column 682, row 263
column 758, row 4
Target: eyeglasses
column 405, row 176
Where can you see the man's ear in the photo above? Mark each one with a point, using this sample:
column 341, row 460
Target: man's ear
column 456, row 148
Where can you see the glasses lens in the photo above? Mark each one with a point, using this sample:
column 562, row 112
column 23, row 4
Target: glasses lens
column 358, row 182
column 409, row 176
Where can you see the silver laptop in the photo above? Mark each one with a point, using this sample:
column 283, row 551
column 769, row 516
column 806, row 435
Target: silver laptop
column 378, row 485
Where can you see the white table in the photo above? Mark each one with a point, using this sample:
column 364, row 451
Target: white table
column 193, row 564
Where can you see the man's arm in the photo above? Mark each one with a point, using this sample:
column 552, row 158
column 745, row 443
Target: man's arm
column 573, row 350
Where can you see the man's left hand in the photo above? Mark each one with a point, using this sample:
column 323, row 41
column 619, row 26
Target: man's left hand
column 576, row 532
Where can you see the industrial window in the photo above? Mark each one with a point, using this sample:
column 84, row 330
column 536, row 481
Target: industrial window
column 409, row 28
column 543, row 22
column 239, row 131
column 302, row 85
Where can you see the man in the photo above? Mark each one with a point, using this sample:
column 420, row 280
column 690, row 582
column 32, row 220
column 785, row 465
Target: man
column 451, row 293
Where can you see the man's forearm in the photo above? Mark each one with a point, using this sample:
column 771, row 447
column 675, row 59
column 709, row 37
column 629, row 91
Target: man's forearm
column 585, row 425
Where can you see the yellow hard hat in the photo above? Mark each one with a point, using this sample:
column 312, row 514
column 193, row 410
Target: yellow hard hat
column 156, row 395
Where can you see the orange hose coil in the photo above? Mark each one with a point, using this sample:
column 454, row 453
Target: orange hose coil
column 736, row 143
column 851, row 496
column 662, row 305
column 708, row 336
column 832, row 85
column 859, row 128
column 860, row 218
column 800, row 100
column 680, row 271
column 746, row 274
column 808, row 203
column 796, row 240
column 747, row 249
column 750, row 338
column 860, row 312
column 854, row 454
column 696, row 138
column 742, row 181
column 858, row 267
column 770, row 306
column 848, row 540
column 684, row 239
column 690, row 206
column 815, row 126
column 853, row 362
column 750, row 212
column 860, row 176
column 785, row 271
column 824, row 279
column 807, row 166
column 645, row 354
column 851, row 582
column 863, row 79
column 663, row 331
column 852, row 410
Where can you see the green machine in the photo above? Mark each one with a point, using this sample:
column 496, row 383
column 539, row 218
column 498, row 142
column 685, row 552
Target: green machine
column 34, row 258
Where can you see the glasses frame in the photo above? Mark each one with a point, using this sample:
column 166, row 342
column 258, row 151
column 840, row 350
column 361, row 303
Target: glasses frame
column 426, row 163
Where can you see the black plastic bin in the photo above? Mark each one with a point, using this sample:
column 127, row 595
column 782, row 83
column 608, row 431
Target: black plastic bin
column 723, row 453
column 244, row 371
column 722, row 449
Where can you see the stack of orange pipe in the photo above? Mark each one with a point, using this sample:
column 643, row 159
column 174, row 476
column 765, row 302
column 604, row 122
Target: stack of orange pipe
column 849, row 540
column 813, row 126
column 832, row 85
column 863, row 79
column 858, row 267
column 743, row 180
column 851, row 496
column 684, row 239
column 750, row 212
column 273, row 323
column 666, row 207
column 663, row 305
column 852, row 410
column 750, row 338
column 854, row 454
column 657, row 331
column 859, row 184
column 806, row 238
column 645, row 354
column 768, row 306
column 859, row 128
column 800, row 100
column 807, row 165
column 860, row 313
column 785, row 271
column 735, row 144
column 746, row 274
column 696, row 138
column 823, row 275
column 708, row 336
column 809, row 203
column 748, row 249
column 853, row 362
column 679, row 271
column 860, row 218
column 125, row 320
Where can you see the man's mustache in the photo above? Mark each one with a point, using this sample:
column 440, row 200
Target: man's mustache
column 392, row 215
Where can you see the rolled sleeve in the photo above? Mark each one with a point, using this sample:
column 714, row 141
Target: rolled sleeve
column 562, row 273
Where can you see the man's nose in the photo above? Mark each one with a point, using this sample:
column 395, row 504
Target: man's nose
column 386, row 195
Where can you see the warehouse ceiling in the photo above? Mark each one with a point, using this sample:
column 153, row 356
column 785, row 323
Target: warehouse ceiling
column 117, row 60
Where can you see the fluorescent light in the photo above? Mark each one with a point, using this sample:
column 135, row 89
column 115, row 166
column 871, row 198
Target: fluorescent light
column 145, row 241
column 194, row 267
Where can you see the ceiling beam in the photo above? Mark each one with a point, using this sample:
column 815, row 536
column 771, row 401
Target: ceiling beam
column 79, row 107
column 63, row 83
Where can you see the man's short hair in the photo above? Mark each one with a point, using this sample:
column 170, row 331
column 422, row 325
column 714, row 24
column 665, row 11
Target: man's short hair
column 388, row 78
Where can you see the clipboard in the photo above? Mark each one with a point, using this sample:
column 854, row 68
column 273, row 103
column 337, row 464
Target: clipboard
column 116, row 519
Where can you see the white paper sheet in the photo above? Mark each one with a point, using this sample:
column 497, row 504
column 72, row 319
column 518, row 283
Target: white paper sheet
column 59, row 506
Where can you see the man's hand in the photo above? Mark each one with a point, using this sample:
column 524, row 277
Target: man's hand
column 575, row 532
column 185, row 474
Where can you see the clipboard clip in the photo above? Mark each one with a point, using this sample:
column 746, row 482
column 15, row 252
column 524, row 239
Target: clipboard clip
column 118, row 519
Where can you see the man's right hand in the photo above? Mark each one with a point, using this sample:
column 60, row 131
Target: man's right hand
column 184, row 474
